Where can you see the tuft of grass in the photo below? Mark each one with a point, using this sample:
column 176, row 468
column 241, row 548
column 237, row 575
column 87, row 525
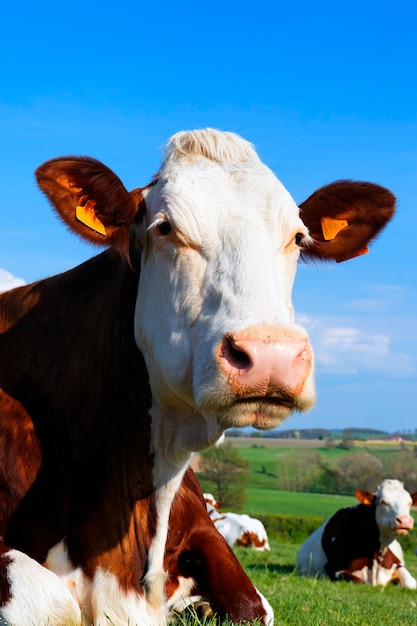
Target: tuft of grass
column 190, row 617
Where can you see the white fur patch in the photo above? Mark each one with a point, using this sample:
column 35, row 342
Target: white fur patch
column 39, row 597
column 181, row 598
column 111, row 605
column 167, row 479
column 269, row 618
column 101, row 599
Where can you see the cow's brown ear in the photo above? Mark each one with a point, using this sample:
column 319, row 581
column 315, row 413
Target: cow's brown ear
column 344, row 217
column 365, row 497
column 414, row 498
column 90, row 199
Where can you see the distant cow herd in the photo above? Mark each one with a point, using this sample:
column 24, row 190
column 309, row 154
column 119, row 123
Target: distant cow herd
column 113, row 373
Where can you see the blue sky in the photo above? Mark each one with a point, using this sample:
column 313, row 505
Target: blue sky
column 324, row 90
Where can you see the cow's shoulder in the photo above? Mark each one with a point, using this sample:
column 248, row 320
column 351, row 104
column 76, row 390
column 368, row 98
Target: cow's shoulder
column 350, row 534
column 20, row 456
column 349, row 522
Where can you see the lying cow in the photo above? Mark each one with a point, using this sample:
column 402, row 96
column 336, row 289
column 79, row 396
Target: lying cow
column 238, row 528
column 113, row 373
column 359, row 543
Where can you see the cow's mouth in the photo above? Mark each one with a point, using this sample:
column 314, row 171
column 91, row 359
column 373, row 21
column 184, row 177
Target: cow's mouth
column 280, row 401
column 259, row 410
column 262, row 412
column 401, row 531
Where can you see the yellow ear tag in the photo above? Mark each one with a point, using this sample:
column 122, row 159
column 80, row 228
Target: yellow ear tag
column 331, row 227
column 85, row 215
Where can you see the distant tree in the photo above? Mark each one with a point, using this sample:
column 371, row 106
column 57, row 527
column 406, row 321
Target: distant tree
column 235, row 432
column 351, row 471
column 299, row 472
column 225, row 474
column 402, row 466
column 347, row 440
column 328, row 480
column 358, row 470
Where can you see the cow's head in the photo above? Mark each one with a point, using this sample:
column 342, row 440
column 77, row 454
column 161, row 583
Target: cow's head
column 220, row 238
column 392, row 508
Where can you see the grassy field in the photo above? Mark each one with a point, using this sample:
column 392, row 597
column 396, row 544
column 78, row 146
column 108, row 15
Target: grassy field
column 270, row 457
column 301, row 601
column 309, row 602
column 265, row 500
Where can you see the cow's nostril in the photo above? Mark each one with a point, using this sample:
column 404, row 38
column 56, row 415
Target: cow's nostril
column 237, row 358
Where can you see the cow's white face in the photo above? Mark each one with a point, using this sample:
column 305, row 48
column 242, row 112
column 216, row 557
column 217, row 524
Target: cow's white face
column 393, row 505
column 214, row 316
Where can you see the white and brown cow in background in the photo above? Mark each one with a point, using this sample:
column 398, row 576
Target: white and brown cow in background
column 359, row 543
column 112, row 373
column 239, row 529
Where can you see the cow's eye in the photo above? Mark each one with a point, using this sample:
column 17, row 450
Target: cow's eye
column 299, row 239
column 164, row 228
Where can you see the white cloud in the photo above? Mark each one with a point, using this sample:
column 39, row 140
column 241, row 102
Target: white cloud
column 8, row 281
column 346, row 346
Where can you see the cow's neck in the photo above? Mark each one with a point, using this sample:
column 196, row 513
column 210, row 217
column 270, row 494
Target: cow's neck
column 385, row 538
column 175, row 444
column 172, row 448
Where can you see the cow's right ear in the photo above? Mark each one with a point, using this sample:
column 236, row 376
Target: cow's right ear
column 414, row 498
column 90, row 199
column 365, row 497
column 344, row 217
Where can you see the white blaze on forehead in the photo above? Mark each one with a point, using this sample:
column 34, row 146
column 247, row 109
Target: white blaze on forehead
column 392, row 492
column 206, row 173
column 235, row 224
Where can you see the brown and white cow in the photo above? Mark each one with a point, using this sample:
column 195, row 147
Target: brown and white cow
column 112, row 373
column 359, row 543
column 239, row 529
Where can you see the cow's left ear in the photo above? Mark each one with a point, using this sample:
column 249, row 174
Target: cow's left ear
column 90, row 199
column 344, row 217
column 365, row 497
column 414, row 498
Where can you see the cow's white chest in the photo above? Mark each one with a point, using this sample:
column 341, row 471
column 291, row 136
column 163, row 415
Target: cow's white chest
column 101, row 598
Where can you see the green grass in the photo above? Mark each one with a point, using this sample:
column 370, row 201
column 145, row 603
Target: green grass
column 304, row 601
column 301, row 601
column 264, row 500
